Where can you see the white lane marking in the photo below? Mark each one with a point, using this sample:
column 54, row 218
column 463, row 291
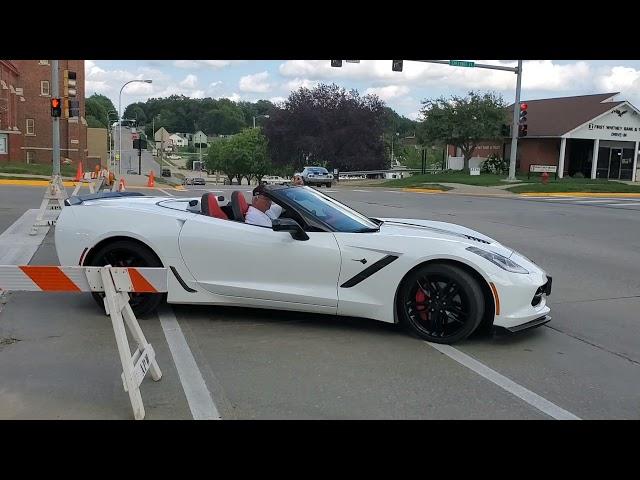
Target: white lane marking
column 330, row 191
column 595, row 201
column 364, row 191
column 166, row 193
column 623, row 204
column 198, row 396
column 510, row 386
column 17, row 247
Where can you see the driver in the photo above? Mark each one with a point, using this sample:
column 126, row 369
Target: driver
column 262, row 210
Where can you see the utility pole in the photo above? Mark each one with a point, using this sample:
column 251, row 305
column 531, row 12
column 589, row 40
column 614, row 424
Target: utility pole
column 514, row 127
column 55, row 93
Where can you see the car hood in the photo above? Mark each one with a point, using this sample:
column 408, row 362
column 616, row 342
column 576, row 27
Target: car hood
column 431, row 229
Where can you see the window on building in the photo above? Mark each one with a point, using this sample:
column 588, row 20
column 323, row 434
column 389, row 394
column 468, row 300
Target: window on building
column 4, row 143
column 31, row 127
column 31, row 156
column 44, row 87
column 43, row 62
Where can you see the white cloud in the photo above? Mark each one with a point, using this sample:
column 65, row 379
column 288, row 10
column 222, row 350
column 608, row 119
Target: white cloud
column 189, row 81
column 623, row 79
column 296, row 83
column 388, row 92
column 201, row 63
column 215, row 84
column 234, row 97
column 256, row 83
column 414, row 116
column 277, row 99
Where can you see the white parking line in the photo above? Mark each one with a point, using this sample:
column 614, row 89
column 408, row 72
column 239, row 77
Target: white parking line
column 505, row 383
column 623, row 204
column 166, row 193
column 198, row 395
column 364, row 191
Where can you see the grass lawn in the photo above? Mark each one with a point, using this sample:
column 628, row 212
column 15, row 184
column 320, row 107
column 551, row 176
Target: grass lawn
column 37, row 169
column 424, row 181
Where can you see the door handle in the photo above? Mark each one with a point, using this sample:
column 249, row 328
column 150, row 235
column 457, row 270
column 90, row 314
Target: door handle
column 361, row 260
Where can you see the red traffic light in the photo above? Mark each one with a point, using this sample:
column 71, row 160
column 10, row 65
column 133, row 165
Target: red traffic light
column 55, row 103
column 523, row 106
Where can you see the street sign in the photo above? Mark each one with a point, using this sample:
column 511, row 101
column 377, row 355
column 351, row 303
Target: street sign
column 543, row 168
column 461, row 63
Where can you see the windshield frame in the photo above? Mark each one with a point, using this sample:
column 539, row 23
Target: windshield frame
column 277, row 194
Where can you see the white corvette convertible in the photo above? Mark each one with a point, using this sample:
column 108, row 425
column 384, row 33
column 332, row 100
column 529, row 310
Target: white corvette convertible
column 442, row 281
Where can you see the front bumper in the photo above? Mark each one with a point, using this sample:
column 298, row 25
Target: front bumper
column 532, row 324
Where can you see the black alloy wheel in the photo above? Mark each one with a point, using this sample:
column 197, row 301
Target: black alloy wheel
column 440, row 303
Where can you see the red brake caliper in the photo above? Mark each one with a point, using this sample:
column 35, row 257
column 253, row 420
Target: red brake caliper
column 420, row 304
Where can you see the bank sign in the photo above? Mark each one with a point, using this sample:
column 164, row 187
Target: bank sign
column 621, row 124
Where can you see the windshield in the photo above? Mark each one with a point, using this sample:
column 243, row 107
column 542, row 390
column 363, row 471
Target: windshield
column 340, row 217
column 320, row 171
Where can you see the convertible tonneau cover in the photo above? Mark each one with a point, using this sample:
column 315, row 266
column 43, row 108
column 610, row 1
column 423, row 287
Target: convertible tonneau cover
column 79, row 199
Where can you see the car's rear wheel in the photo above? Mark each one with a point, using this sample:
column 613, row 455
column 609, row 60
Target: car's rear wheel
column 126, row 253
column 440, row 303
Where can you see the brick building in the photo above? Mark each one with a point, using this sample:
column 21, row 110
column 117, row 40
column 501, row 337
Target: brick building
column 25, row 113
column 594, row 135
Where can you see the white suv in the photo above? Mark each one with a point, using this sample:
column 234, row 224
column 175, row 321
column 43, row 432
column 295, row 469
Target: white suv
column 317, row 176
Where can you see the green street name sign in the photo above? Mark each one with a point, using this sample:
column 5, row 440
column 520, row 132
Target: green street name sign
column 461, row 63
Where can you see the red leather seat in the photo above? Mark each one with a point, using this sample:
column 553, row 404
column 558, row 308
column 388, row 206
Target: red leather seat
column 209, row 206
column 239, row 205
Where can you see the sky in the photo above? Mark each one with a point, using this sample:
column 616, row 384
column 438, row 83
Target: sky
column 252, row 80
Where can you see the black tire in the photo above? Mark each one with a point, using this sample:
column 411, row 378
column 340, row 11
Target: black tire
column 454, row 313
column 126, row 253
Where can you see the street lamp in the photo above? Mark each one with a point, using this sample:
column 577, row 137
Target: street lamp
column 109, row 113
column 120, row 121
column 258, row 116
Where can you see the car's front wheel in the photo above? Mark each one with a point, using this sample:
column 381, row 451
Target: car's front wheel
column 126, row 253
column 440, row 303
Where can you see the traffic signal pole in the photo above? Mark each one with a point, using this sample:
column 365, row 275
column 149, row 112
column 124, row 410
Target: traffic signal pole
column 514, row 127
column 55, row 93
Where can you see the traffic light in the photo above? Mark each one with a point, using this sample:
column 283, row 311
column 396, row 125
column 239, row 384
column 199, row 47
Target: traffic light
column 74, row 108
column 69, row 83
column 522, row 130
column 336, row 63
column 396, row 66
column 56, row 107
column 523, row 112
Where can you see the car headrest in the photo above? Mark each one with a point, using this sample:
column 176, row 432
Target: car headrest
column 239, row 205
column 210, row 207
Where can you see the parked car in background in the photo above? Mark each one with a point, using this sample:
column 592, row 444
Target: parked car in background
column 317, row 176
column 274, row 180
column 198, row 181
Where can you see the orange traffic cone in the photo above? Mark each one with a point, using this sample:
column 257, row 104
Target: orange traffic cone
column 151, row 182
column 79, row 173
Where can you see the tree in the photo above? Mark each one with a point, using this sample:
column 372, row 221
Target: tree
column 243, row 155
column 327, row 126
column 463, row 121
column 98, row 106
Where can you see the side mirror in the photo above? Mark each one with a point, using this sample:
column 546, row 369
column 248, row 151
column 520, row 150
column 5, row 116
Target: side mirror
column 291, row 226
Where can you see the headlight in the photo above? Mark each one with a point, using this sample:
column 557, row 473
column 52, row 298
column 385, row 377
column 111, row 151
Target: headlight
column 499, row 260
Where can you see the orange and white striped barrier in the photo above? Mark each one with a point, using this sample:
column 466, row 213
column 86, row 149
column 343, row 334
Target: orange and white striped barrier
column 116, row 283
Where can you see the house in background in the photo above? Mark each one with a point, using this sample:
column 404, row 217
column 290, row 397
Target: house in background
column 162, row 138
column 200, row 139
column 178, row 140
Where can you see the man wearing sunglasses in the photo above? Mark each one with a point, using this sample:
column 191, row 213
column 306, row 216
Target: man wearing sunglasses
column 262, row 210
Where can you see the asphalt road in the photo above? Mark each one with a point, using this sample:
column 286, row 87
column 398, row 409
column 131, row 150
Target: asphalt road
column 270, row 364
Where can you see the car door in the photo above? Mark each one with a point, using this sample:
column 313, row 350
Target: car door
column 261, row 266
